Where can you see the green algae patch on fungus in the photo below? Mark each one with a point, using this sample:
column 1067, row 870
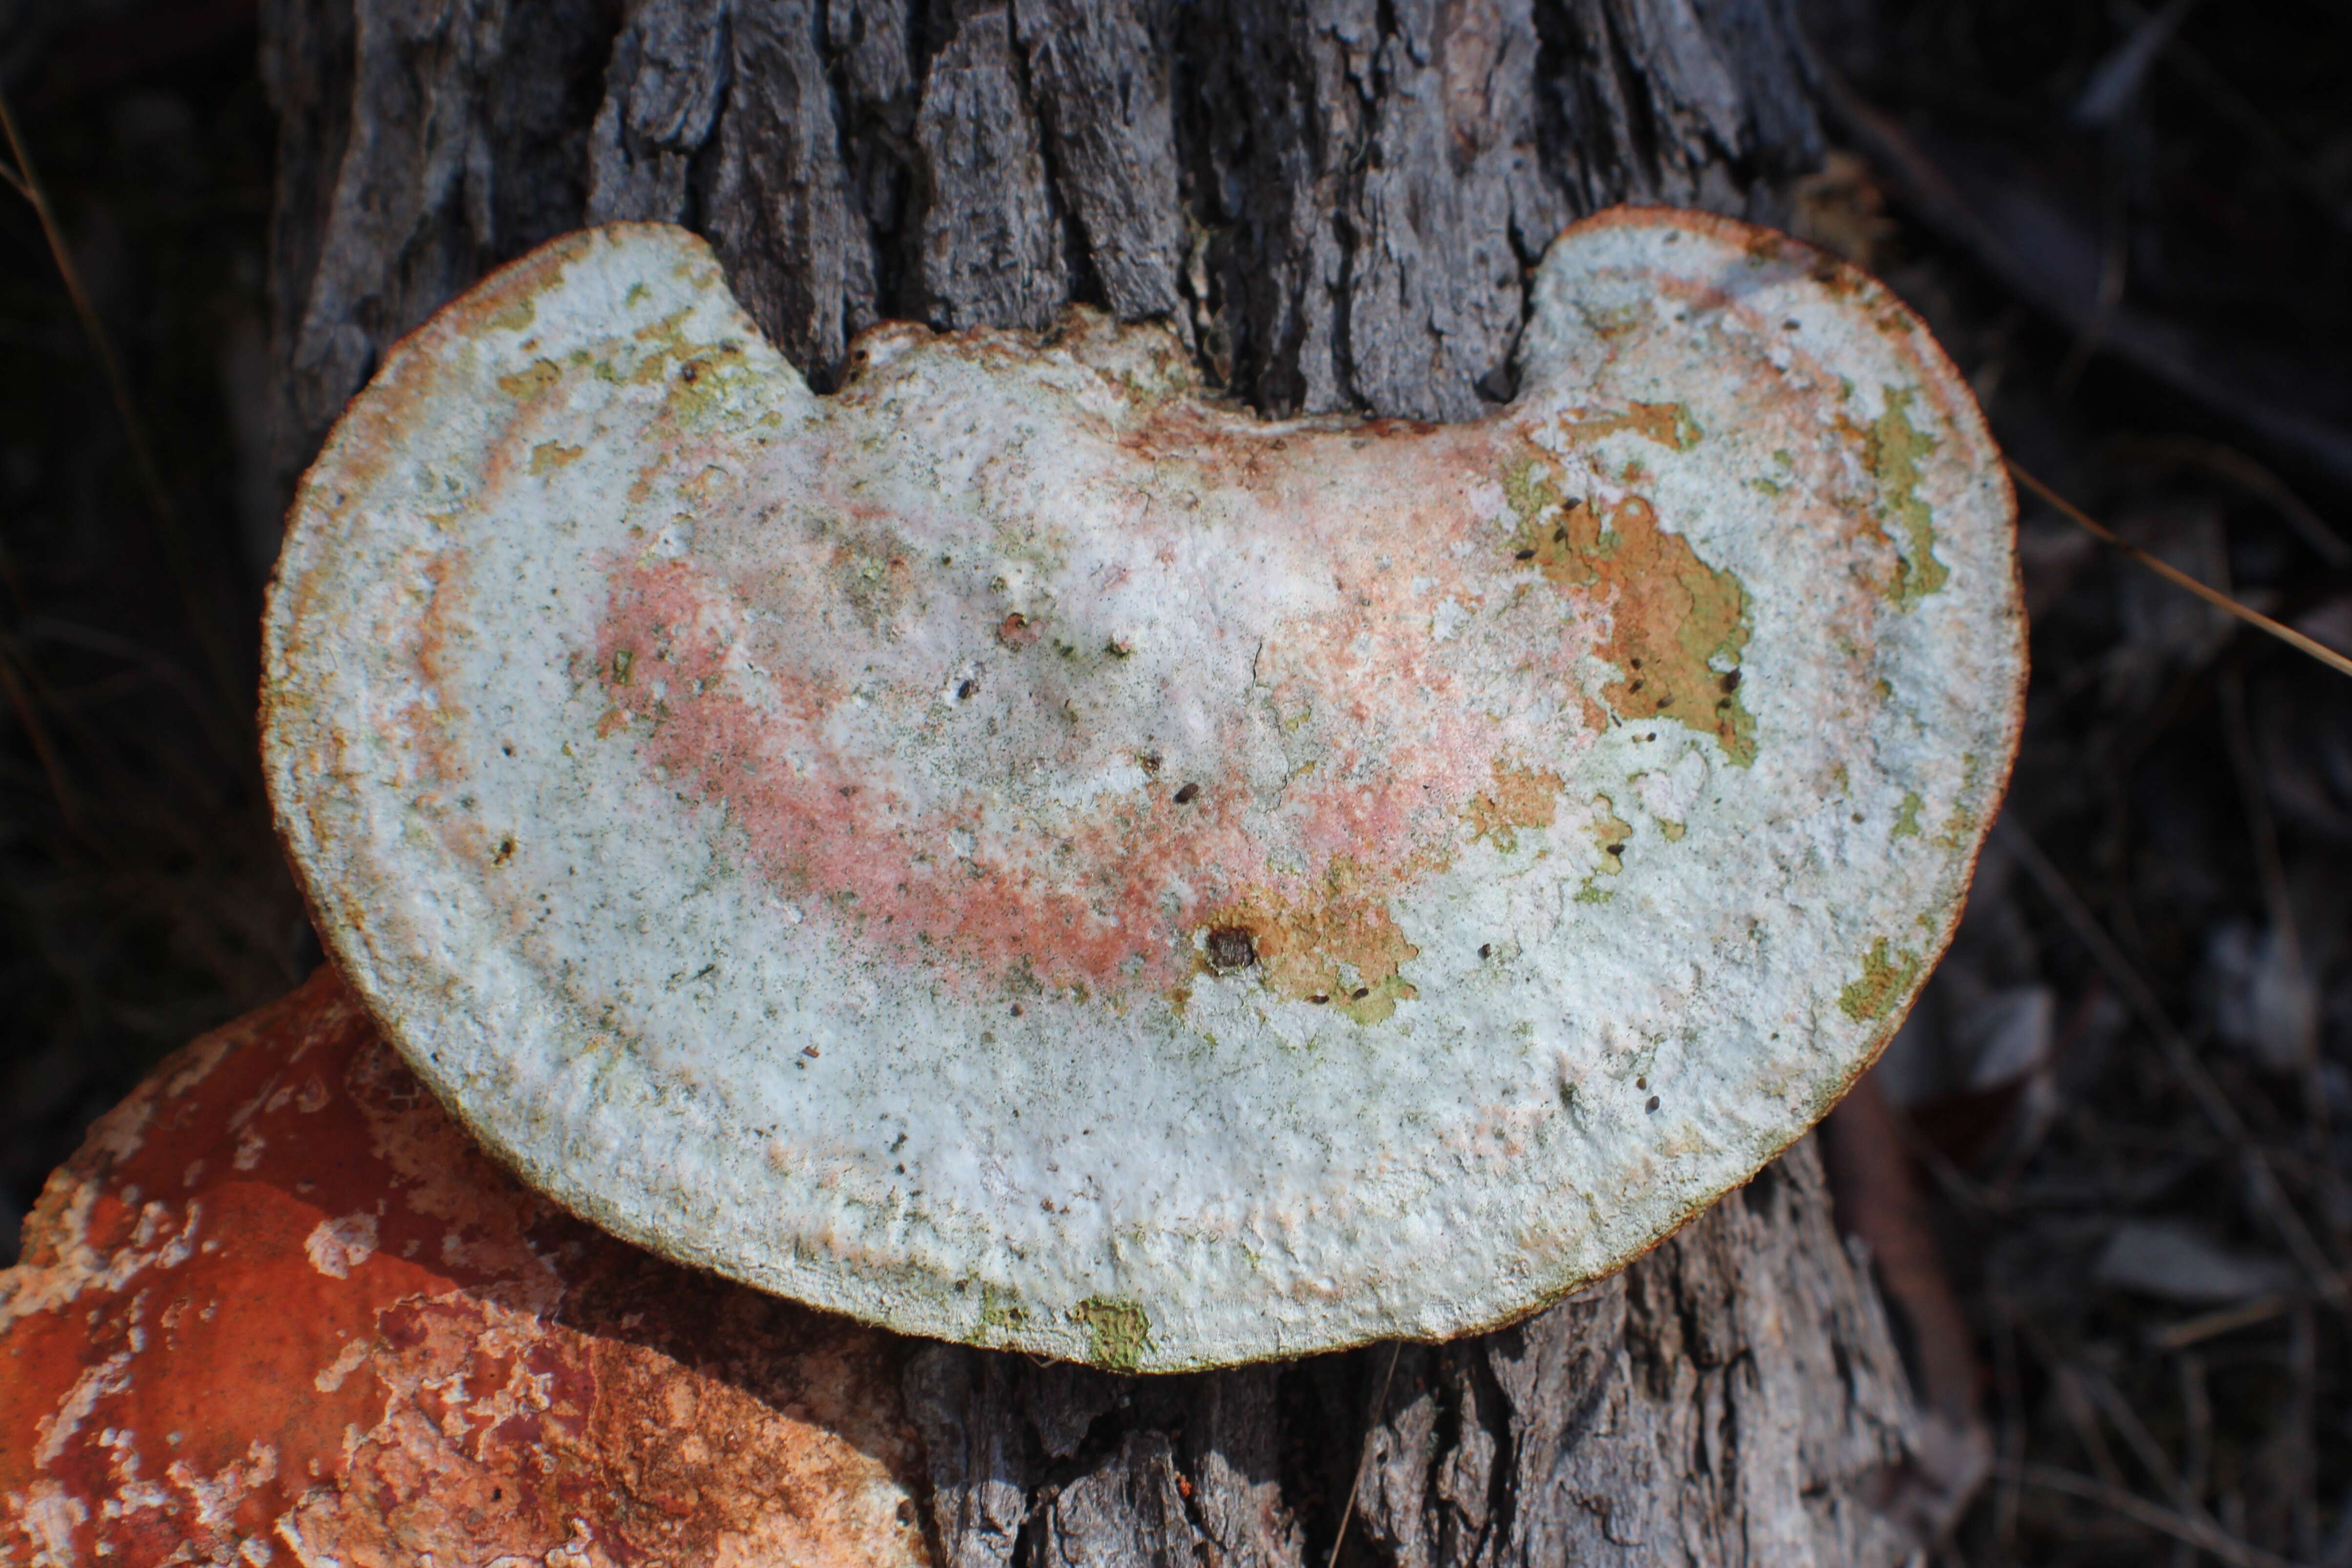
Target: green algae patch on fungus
column 1907, row 815
column 1887, row 976
column 1119, row 1332
column 1898, row 453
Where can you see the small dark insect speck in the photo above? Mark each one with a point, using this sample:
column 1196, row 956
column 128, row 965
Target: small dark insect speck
column 1188, row 794
column 506, row 852
column 1641, row 1083
column 1485, row 949
column 1232, row 947
column 1318, row 1000
column 1361, row 993
column 1653, row 1105
column 1525, row 555
column 964, row 691
column 1731, row 682
column 810, row 1052
column 1790, row 325
column 1016, row 1010
column 691, row 372
column 1616, row 849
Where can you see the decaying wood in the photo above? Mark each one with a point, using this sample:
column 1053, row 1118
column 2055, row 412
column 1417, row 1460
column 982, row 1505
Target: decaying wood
column 1334, row 203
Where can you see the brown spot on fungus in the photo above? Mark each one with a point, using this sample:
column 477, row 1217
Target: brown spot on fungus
column 1231, row 948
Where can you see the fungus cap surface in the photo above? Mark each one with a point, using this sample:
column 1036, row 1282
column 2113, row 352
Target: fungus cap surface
column 1017, row 853
column 278, row 1309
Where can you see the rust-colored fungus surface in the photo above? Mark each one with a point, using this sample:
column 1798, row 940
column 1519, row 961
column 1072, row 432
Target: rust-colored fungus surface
column 281, row 1308
column 1017, row 852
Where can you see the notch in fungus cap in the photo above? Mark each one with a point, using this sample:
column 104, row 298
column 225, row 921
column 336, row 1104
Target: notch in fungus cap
column 1015, row 851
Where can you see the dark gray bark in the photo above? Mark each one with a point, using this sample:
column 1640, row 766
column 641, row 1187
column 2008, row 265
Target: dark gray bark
column 1334, row 203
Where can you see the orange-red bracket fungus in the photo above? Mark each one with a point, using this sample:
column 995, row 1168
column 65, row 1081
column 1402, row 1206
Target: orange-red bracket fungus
column 281, row 1310
column 1016, row 851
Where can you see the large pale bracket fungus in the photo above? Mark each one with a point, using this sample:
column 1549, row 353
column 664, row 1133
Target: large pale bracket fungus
column 1016, row 851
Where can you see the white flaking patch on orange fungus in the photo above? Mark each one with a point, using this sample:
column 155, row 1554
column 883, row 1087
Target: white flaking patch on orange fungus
column 336, row 1247
column 1012, row 847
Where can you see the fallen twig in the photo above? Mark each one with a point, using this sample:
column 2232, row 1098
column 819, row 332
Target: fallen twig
column 2172, row 574
column 27, row 180
column 2179, row 1526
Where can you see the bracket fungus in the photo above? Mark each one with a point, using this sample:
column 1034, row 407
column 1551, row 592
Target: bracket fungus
column 1018, row 852
column 280, row 1310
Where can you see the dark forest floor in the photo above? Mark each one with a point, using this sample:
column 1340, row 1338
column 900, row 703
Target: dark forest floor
column 2129, row 1087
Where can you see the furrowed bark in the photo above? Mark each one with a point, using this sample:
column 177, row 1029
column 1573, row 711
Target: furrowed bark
column 1334, row 204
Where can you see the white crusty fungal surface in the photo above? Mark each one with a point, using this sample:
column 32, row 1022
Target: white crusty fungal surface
column 1018, row 852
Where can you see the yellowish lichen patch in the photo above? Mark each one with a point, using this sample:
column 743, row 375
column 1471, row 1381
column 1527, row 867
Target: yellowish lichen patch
column 1677, row 625
column 1961, row 827
column 1521, row 797
column 1001, row 1310
column 1341, row 950
column 1897, row 450
column 1888, row 972
column 518, row 316
column 549, row 455
column 1118, row 1332
column 531, row 381
column 1906, row 816
column 1667, row 423
column 1610, row 831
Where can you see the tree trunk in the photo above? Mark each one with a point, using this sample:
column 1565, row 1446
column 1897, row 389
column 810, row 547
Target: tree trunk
column 1334, row 203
